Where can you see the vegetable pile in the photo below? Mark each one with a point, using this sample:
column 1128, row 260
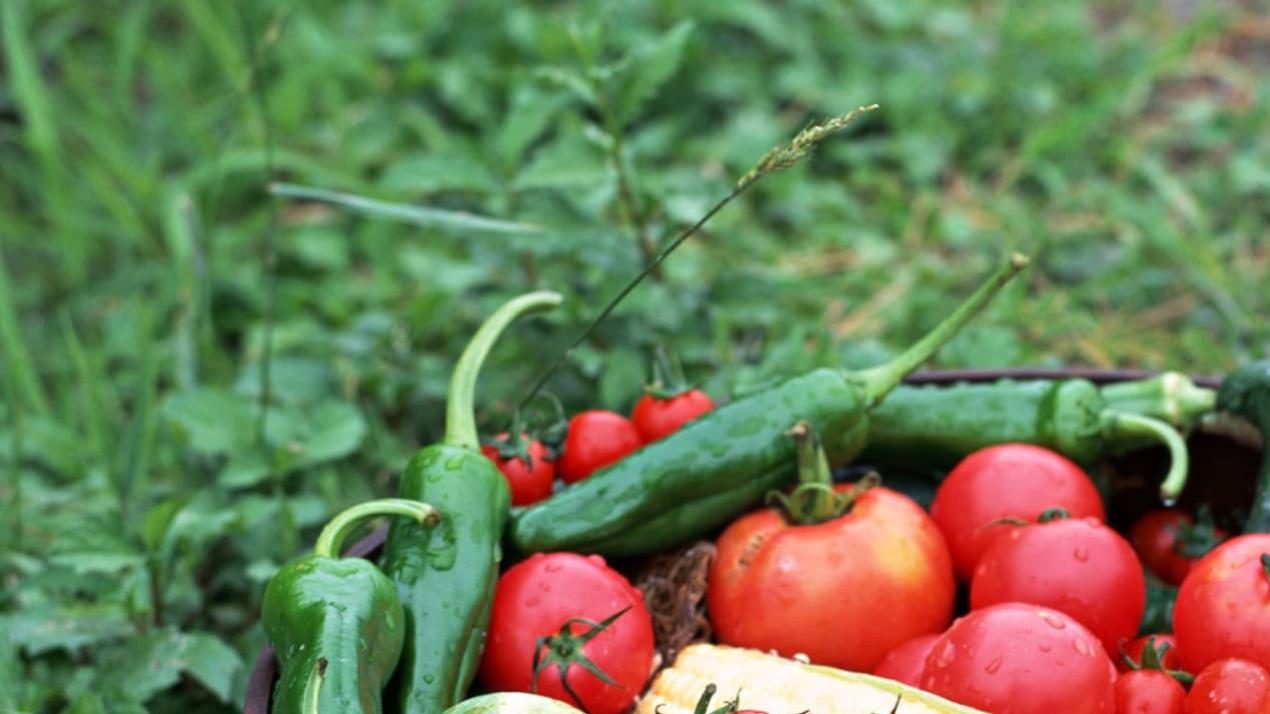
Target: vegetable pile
column 822, row 594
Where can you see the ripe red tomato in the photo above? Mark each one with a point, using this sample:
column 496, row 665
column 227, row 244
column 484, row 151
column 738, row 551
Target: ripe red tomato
column 656, row 418
column 1223, row 606
column 843, row 592
column 1079, row 567
column 906, row 662
column 1018, row 481
column 530, row 482
column 535, row 599
column 1230, row 686
column 1133, row 650
column 1021, row 659
column 1149, row 691
column 596, row 439
column 1156, row 538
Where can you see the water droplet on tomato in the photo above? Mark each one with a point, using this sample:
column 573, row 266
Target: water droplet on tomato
column 1081, row 554
column 1081, row 647
column 946, row 655
column 993, row 666
column 1052, row 620
column 1045, row 647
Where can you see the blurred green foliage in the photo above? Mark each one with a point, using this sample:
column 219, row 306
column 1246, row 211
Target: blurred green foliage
column 198, row 372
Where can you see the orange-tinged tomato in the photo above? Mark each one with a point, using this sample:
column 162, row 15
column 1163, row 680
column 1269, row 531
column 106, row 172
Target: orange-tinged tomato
column 843, row 592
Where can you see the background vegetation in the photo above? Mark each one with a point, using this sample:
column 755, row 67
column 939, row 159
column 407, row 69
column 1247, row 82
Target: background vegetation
column 196, row 373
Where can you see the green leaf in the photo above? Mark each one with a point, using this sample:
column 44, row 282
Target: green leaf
column 214, row 421
column 528, row 117
column 428, row 173
column 153, row 662
column 157, row 520
column 459, row 221
column 293, row 380
column 327, row 431
column 623, row 378
column 566, row 163
column 244, row 469
column 649, row 67
column 42, row 629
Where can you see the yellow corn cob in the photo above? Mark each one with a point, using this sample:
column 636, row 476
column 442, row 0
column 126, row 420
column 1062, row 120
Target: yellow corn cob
column 782, row 686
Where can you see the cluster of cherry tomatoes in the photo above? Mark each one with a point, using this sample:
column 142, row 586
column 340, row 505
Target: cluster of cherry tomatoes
column 1055, row 595
column 594, row 439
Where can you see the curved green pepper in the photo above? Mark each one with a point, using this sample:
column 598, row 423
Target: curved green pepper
column 336, row 624
column 935, row 426
column 446, row 575
column 731, row 450
column 1246, row 392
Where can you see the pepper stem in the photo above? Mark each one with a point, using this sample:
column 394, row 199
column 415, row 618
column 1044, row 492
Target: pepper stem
column 814, row 499
column 1121, row 425
column 460, row 410
column 330, row 542
column 882, row 379
column 1169, row 396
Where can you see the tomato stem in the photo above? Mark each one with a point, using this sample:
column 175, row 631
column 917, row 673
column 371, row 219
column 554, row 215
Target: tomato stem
column 564, row 649
column 814, row 499
column 668, row 375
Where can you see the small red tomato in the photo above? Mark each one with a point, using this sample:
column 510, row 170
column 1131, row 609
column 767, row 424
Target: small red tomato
column 544, row 596
column 1133, row 649
column 1009, row 481
column 776, row 586
column 1079, row 567
column 529, row 483
column 1149, row 691
column 1223, row 606
column 1230, row 686
column 1157, row 538
column 1021, row 659
column 596, row 439
column 906, row 662
column 656, row 417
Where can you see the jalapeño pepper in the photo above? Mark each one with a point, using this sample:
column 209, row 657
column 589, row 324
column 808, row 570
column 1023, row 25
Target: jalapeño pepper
column 935, row 426
column 445, row 575
column 336, row 624
column 720, row 465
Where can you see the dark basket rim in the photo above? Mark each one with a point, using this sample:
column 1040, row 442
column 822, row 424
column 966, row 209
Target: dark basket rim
column 260, row 684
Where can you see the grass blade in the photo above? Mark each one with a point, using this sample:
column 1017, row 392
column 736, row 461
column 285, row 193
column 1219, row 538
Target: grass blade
column 418, row 215
column 15, row 351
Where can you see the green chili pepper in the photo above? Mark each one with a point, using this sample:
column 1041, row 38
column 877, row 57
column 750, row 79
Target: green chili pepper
column 445, row 576
column 336, row 624
column 1246, row 393
column 935, row 426
column 721, row 464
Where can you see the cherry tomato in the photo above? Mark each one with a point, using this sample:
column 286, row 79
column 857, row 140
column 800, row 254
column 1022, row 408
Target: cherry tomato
column 1223, row 606
column 1149, row 691
column 596, row 439
column 1230, row 686
column 530, row 482
column 775, row 586
column 1133, row 650
column 1079, row 567
column 1021, row 659
column 906, row 662
column 1156, row 538
column 535, row 599
column 656, row 418
column 1009, row 481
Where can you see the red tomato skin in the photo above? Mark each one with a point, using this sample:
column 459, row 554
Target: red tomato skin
column 1133, row 650
column 535, row 597
column 906, row 662
column 1021, row 659
column 1018, row 481
column 1149, row 691
column 1154, row 537
column 596, row 439
column 656, row 418
column 1223, row 606
column 779, row 587
column 1230, row 686
column 1081, row 568
column 528, row 483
